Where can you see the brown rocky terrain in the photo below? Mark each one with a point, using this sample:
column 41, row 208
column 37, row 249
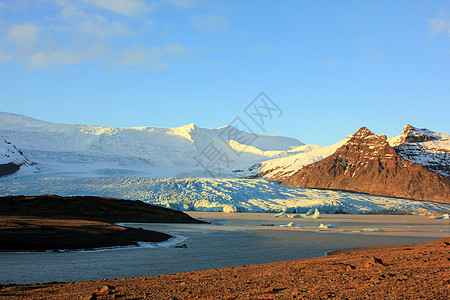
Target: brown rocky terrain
column 420, row 271
column 366, row 163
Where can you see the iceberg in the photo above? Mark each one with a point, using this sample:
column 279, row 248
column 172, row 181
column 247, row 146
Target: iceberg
column 443, row 217
column 312, row 214
column 291, row 225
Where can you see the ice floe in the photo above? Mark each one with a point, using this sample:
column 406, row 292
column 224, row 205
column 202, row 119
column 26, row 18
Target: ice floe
column 443, row 217
column 372, row 230
column 329, row 226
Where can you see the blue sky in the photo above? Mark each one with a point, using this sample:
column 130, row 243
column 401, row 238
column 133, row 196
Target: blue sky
column 330, row 66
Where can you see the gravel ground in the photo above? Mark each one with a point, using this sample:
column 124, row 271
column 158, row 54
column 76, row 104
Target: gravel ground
column 420, row 271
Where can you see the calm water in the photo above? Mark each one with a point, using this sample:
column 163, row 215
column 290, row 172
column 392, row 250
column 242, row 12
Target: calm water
column 206, row 249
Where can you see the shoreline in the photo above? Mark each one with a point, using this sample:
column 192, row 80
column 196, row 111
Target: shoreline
column 168, row 243
column 382, row 272
column 244, row 234
column 353, row 224
column 39, row 235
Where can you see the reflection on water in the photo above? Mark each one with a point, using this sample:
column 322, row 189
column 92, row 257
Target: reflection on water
column 206, row 249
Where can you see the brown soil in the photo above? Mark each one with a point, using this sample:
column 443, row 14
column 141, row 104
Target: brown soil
column 35, row 234
column 419, row 271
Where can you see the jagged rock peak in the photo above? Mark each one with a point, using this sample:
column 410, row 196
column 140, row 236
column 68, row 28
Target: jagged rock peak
column 413, row 134
column 364, row 137
column 363, row 132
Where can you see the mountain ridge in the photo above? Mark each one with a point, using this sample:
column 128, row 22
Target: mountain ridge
column 91, row 150
column 425, row 147
column 366, row 163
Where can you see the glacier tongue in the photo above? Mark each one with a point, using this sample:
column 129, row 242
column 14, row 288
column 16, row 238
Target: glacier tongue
column 229, row 195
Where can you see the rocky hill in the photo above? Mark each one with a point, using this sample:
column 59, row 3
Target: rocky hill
column 366, row 163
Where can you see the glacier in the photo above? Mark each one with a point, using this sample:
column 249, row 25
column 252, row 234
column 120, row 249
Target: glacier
column 220, row 195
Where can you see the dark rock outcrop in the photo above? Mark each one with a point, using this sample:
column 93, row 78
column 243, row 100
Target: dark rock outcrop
column 8, row 169
column 366, row 163
column 90, row 208
column 11, row 158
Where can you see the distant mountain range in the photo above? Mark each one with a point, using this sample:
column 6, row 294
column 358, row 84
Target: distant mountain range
column 415, row 164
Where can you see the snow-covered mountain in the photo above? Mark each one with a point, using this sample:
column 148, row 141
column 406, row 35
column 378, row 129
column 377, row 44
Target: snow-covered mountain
column 87, row 150
column 422, row 146
column 425, row 147
column 12, row 159
column 282, row 167
column 366, row 163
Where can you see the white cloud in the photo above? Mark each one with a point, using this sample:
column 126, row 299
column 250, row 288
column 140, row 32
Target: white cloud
column 438, row 25
column 364, row 44
column 5, row 57
column 102, row 29
column 123, row 7
column 210, row 23
column 79, row 32
column 332, row 63
column 213, row 63
column 48, row 59
column 174, row 49
column 156, row 58
column 258, row 50
column 26, row 36
column 369, row 60
column 183, row 3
